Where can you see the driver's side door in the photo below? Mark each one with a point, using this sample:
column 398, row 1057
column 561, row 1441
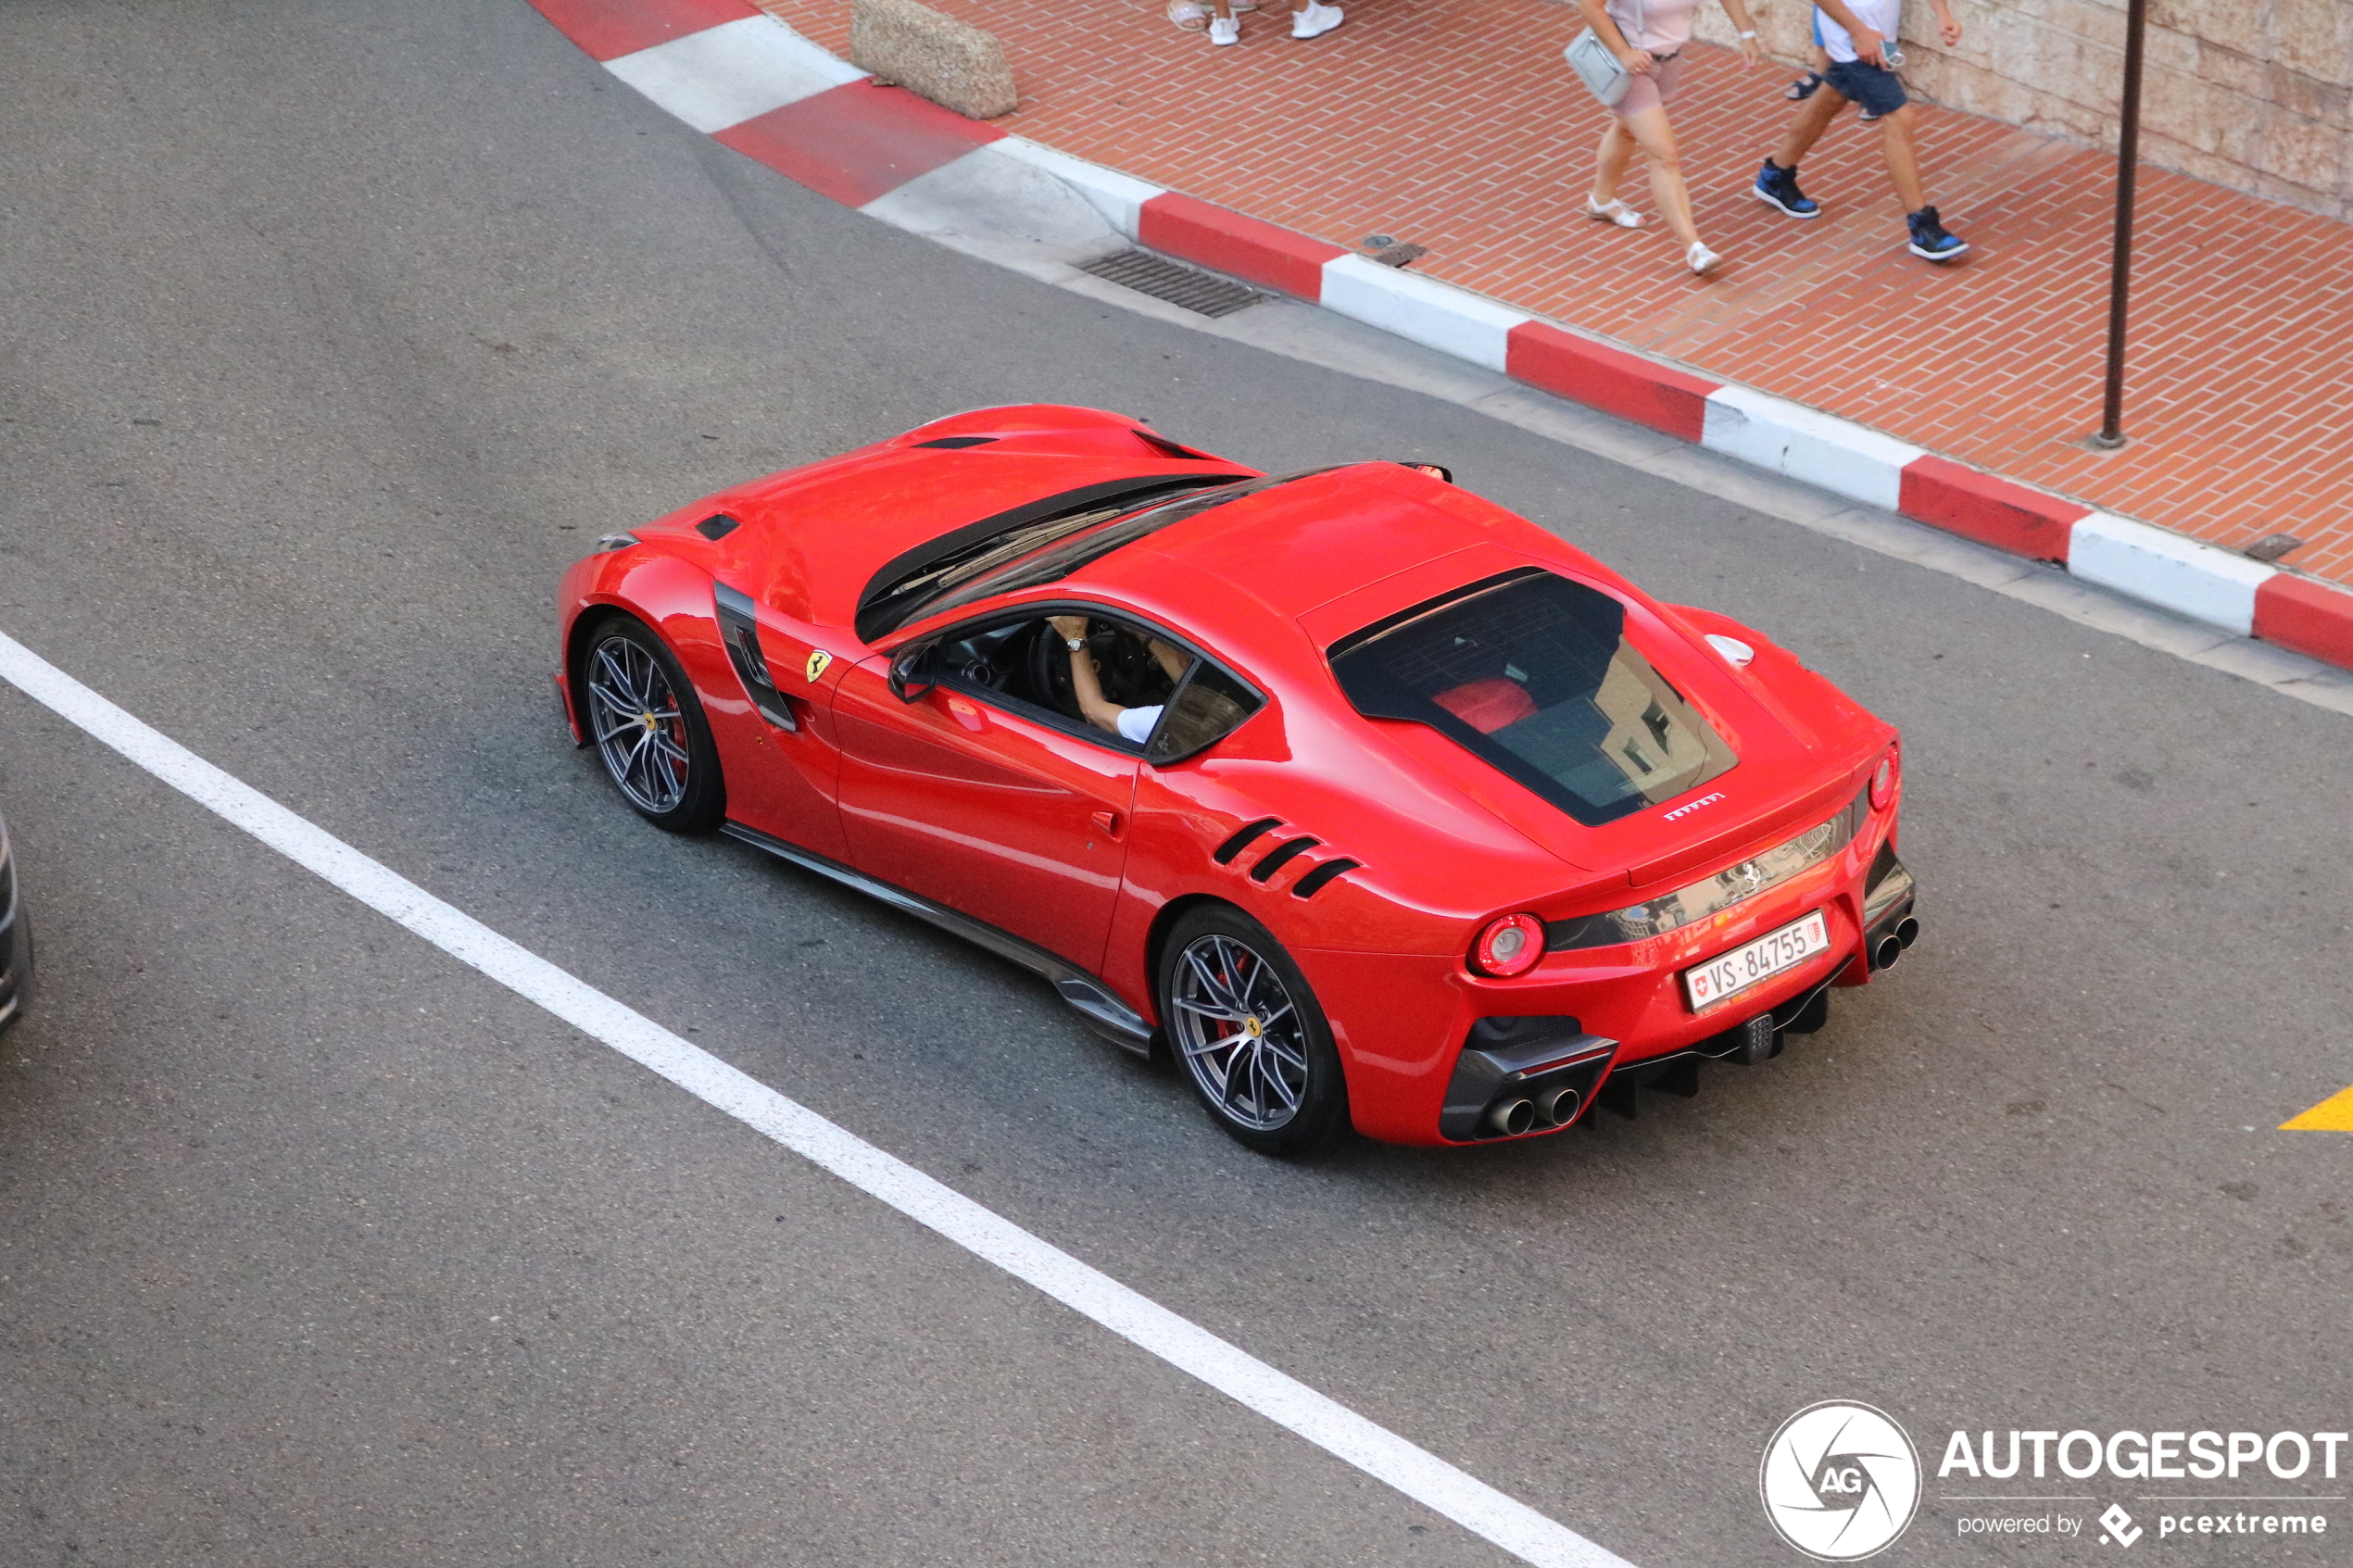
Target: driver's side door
column 979, row 799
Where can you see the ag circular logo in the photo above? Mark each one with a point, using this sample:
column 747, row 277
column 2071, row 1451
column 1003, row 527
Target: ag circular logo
column 1841, row 1481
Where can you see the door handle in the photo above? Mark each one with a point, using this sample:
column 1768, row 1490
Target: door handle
column 1107, row 821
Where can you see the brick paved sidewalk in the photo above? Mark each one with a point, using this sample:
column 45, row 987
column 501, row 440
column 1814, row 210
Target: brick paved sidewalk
column 1453, row 124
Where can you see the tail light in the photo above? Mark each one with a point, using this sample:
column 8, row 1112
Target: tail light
column 1508, row 945
column 1884, row 778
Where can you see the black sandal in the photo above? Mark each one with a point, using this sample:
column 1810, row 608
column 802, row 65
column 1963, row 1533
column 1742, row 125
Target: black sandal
column 1803, row 87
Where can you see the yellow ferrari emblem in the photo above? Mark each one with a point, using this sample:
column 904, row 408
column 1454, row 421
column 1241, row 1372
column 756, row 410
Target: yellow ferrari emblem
column 817, row 662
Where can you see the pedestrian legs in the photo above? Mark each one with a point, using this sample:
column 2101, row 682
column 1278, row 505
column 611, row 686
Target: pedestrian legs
column 1649, row 130
column 1806, row 126
column 1899, row 144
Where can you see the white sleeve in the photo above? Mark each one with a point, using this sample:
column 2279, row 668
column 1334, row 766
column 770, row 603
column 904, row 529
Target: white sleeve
column 1136, row 724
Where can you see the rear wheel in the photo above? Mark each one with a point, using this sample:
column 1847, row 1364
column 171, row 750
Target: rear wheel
column 1255, row 1043
column 650, row 729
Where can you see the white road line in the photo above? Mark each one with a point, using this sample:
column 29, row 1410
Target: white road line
column 1326, row 1423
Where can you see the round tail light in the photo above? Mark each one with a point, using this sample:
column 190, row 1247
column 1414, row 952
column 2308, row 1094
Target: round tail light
column 1508, row 946
column 1883, row 781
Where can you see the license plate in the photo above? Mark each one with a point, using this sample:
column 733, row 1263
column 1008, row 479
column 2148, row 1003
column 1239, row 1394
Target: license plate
column 1759, row 961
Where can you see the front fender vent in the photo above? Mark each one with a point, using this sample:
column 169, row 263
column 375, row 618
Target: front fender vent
column 957, row 443
column 739, row 633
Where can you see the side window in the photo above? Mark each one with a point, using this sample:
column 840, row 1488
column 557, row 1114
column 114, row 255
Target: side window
column 1204, row 710
column 1127, row 685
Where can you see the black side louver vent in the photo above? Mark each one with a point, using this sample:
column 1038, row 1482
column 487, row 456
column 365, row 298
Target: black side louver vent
column 957, row 443
column 1244, row 836
column 1315, row 882
column 1282, row 854
column 717, row 526
column 739, row 630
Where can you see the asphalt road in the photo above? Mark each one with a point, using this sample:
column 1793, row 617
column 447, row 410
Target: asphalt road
column 329, row 333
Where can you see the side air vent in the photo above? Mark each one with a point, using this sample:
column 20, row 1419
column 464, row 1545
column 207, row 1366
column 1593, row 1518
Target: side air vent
column 717, row 526
column 1282, row 854
column 1323, row 877
column 1244, row 836
column 739, row 630
column 957, row 443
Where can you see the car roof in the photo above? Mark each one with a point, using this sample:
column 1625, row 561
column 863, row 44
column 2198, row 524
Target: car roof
column 1322, row 536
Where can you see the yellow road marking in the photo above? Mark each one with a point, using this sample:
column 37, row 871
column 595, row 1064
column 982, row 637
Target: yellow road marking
column 2334, row 1114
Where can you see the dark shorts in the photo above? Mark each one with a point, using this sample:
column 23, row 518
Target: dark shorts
column 1878, row 91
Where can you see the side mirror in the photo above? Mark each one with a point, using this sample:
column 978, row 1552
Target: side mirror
column 913, row 671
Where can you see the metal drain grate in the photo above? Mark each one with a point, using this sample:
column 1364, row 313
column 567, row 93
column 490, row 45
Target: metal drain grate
column 1178, row 285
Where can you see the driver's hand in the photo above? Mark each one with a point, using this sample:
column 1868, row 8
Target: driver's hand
column 1068, row 626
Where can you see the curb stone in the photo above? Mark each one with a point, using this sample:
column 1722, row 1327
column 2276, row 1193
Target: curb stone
column 753, row 83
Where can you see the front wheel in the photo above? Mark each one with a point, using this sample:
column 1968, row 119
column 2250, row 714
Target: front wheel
column 1253, row 1042
column 650, row 729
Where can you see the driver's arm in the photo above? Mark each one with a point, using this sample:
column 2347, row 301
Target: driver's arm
column 1102, row 714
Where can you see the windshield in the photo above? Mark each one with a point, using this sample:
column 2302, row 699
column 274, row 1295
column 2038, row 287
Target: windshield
column 1535, row 674
column 912, row 584
column 1089, row 540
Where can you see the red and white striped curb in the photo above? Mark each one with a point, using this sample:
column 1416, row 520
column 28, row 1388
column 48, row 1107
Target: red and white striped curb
column 752, row 82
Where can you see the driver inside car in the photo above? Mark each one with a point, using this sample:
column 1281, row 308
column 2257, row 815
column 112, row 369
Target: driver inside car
column 1129, row 723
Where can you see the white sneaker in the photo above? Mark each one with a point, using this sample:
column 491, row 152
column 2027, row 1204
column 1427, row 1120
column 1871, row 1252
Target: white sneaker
column 1701, row 260
column 1224, row 29
column 1316, row 21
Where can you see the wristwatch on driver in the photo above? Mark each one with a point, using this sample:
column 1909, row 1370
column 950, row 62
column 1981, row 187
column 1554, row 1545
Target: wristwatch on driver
column 1076, row 645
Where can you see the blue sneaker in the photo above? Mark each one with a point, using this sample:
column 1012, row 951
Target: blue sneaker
column 1930, row 241
column 1777, row 188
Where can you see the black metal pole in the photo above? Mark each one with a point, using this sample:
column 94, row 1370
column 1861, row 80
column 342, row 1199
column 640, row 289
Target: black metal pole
column 2120, row 286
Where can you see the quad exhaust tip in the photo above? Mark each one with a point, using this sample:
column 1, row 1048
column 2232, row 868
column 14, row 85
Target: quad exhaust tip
column 1512, row 1117
column 1559, row 1104
column 1891, row 946
column 1556, row 1104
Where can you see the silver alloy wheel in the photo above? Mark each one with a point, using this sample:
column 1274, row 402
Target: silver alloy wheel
column 640, row 731
column 1239, row 1032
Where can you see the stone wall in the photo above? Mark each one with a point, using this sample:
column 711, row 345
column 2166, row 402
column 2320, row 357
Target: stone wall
column 2251, row 93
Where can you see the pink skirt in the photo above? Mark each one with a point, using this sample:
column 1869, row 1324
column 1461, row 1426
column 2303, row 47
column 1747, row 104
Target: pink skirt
column 1653, row 92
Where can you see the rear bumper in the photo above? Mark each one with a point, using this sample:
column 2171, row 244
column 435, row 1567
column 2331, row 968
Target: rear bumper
column 1402, row 1022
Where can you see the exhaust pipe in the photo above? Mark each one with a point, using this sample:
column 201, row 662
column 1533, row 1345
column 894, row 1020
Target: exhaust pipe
column 1559, row 1104
column 1890, row 948
column 1513, row 1117
column 1908, row 932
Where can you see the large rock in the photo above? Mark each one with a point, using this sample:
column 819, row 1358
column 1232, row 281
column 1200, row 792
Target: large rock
column 954, row 64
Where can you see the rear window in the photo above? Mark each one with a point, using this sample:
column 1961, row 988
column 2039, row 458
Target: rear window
column 1535, row 674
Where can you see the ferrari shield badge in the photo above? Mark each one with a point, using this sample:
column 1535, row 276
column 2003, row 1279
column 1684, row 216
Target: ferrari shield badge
column 817, row 662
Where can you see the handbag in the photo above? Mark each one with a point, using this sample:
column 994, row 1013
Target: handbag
column 1599, row 68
